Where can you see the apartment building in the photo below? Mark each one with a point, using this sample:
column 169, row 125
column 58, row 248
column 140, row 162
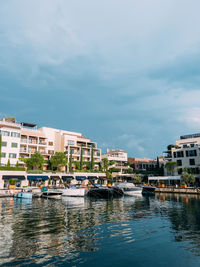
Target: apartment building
column 142, row 164
column 20, row 140
column 119, row 156
column 186, row 152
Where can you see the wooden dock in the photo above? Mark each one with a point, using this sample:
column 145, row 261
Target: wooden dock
column 188, row 190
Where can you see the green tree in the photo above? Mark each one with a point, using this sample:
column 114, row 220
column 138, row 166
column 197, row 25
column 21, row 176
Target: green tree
column 137, row 179
column 8, row 163
column 35, row 162
column 58, row 160
column 171, row 167
column 81, row 159
column 17, row 165
column 109, row 177
column 187, row 178
column 105, row 164
column 70, row 161
column 92, row 160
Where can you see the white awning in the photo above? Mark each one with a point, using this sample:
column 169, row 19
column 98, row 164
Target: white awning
column 164, row 178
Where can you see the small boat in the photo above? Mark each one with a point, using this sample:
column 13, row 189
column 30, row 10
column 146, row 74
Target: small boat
column 27, row 195
column 73, row 191
column 130, row 189
column 148, row 190
column 52, row 194
column 105, row 192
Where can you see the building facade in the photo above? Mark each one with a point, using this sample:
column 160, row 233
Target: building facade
column 119, row 156
column 142, row 164
column 20, row 140
column 186, row 153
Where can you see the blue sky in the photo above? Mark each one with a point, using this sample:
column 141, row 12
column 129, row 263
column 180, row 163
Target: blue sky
column 124, row 73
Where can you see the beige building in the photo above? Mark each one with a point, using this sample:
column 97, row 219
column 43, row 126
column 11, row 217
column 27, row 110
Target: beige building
column 20, row 140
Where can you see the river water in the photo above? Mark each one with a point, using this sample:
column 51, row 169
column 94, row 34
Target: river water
column 163, row 230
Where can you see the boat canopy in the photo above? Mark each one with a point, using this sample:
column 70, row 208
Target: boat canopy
column 37, row 178
column 81, row 178
column 19, row 177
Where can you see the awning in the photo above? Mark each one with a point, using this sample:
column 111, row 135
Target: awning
column 67, row 177
column 102, row 178
column 37, row 178
column 164, row 178
column 92, row 177
column 19, row 177
column 81, row 178
column 53, row 177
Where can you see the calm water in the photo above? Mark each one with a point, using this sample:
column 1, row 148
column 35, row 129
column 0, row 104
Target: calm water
column 143, row 231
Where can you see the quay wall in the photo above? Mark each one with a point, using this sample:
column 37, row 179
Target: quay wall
column 178, row 190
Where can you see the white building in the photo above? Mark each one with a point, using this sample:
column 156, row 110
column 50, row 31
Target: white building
column 186, row 153
column 22, row 140
column 119, row 156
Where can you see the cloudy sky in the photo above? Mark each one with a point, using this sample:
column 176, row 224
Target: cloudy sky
column 125, row 73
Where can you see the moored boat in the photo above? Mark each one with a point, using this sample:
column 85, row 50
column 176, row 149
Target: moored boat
column 148, row 190
column 130, row 189
column 105, row 192
column 52, row 194
column 73, row 191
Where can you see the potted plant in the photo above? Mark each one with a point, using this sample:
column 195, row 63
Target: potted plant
column 12, row 183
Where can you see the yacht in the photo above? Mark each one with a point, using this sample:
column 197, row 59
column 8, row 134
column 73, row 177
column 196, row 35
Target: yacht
column 73, row 191
column 130, row 189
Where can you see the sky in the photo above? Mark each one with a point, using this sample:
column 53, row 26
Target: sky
column 125, row 73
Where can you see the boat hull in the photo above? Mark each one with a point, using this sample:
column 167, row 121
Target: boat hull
column 53, row 195
column 79, row 192
column 105, row 192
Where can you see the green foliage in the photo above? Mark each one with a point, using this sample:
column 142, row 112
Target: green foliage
column 0, row 147
column 105, row 164
column 17, row 165
column 92, row 160
column 130, row 170
column 114, row 170
column 5, row 168
column 12, row 182
column 58, row 160
column 70, row 162
column 8, row 164
column 109, row 177
column 137, row 179
column 81, row 159
column 112, row 162
column 170, row 167
column 187, row 178
column 35, row 162
column 169, row 147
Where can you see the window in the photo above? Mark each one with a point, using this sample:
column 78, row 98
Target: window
column 5, row 133
column 70, row 143
column 185, row 146
column 4, row 144
column 180, row 154
column 191, row 145
column 15, row 134
column 174, row 153
column 50, row 143
column 12, row 156
column 192, row 162
column 191, row 153
column 14, row 145
column 179, row 162
column 3, row 155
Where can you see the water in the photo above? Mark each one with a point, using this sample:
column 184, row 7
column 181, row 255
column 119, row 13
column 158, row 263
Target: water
column 134, row 231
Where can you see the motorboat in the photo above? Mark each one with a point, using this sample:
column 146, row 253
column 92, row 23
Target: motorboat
column 148, row 190
column 27, row 195
column 73, row 191
column 52, row 194
column 130, row 189
column 105, row 192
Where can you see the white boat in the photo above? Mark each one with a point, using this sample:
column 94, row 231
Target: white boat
column 27, row 195
column 73, row 191
column 52, row 194
column 130, row 189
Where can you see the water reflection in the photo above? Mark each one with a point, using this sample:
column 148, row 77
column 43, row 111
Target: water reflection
column 48, row 231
